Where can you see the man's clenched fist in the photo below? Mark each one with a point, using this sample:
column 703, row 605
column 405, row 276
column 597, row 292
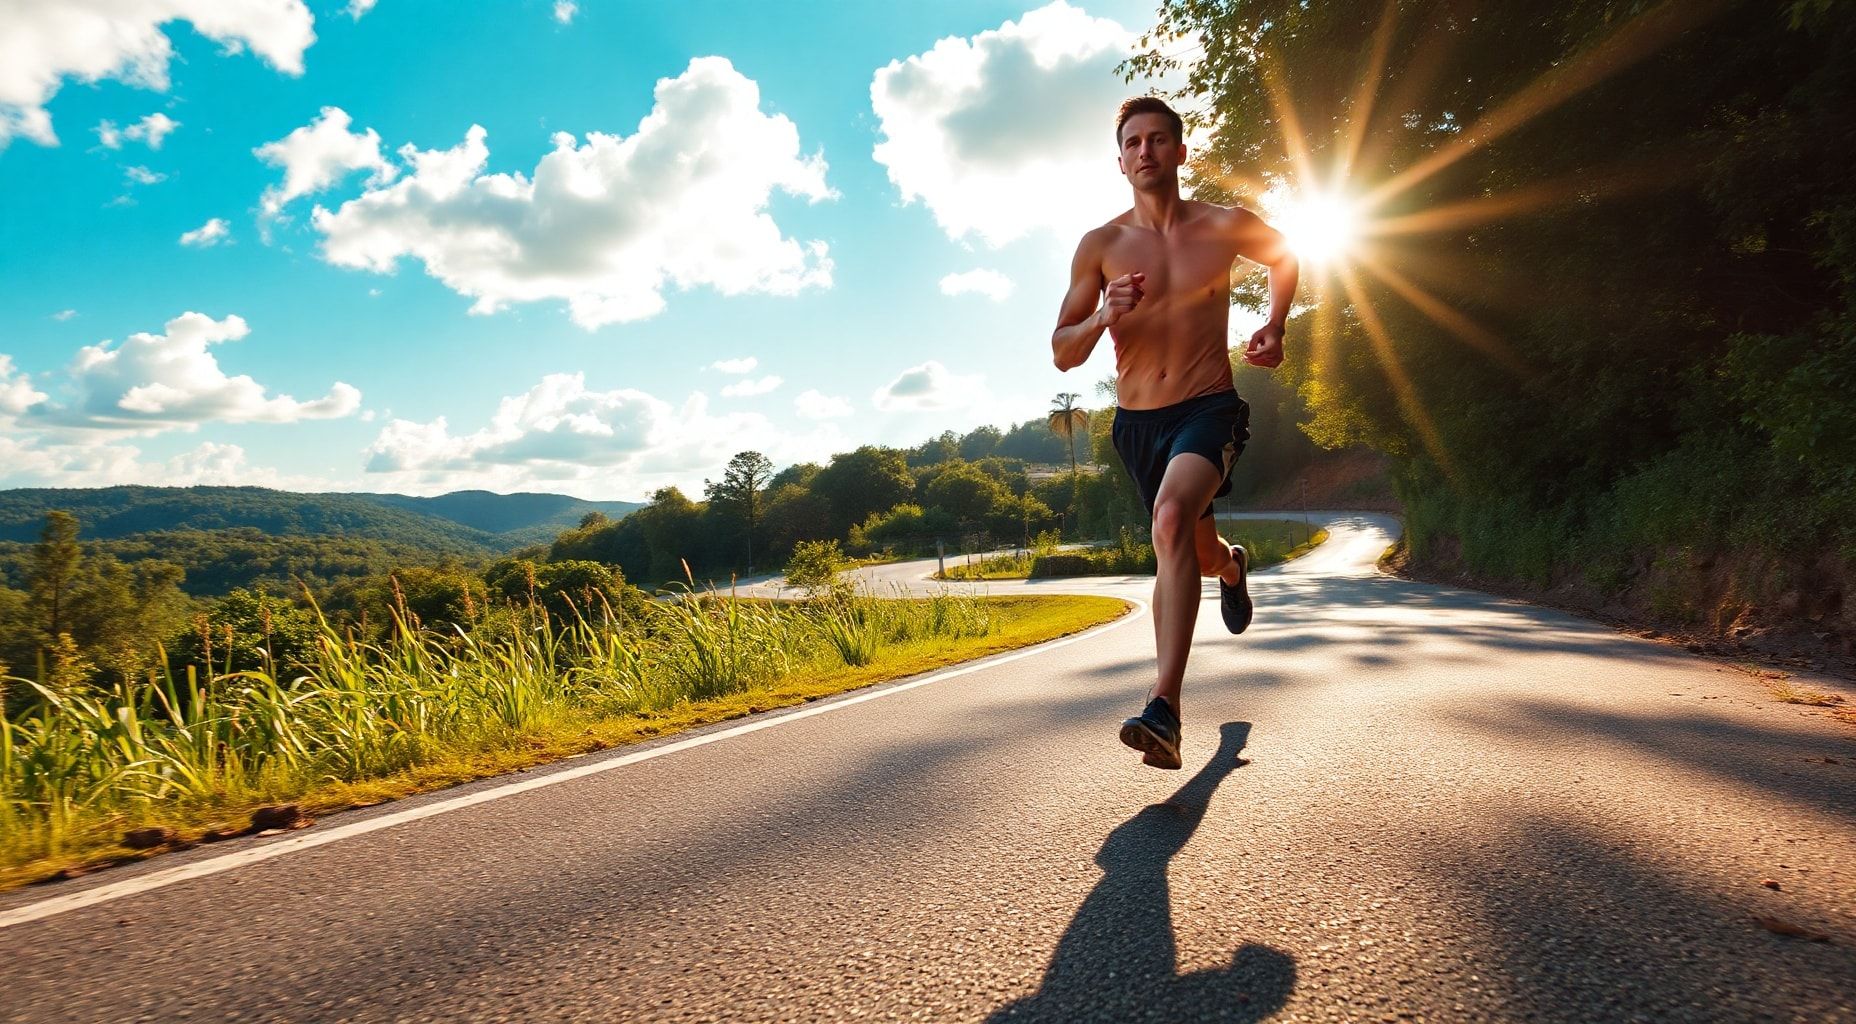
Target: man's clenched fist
column 1124, row 293
column 1265, row 348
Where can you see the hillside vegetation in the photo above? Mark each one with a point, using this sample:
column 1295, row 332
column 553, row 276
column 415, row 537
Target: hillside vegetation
column 464, row 523
column 1604, row 318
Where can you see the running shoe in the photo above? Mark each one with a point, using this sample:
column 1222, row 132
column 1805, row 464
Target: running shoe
column 1155, row 733
column 1234, row 600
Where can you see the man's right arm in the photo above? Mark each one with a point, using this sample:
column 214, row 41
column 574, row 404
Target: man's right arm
column 1078, row 325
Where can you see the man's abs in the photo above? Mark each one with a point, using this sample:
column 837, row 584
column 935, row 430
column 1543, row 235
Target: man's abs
column 1151, row 372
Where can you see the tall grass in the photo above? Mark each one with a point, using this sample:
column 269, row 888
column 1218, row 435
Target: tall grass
column 79, row 761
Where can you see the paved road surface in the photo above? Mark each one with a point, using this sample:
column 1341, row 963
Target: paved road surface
column 1450, row 807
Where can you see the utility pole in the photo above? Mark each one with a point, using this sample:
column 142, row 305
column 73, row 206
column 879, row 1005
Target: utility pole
column 940, row 558
column 1308, row 532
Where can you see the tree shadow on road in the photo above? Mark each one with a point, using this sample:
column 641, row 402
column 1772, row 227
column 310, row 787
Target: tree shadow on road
column 1117, row 959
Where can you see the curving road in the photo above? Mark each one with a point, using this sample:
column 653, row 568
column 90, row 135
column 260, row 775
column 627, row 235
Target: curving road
column 1447, row 807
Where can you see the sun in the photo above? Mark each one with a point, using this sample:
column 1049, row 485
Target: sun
column 1320, row 227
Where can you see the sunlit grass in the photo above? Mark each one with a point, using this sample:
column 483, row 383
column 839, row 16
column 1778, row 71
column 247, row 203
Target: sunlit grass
column 80, row 768
column 1267, row 541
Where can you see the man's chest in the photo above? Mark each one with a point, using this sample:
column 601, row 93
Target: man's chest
column 1182, row 267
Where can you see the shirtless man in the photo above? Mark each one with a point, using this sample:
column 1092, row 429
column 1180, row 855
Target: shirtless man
column 1161, row 273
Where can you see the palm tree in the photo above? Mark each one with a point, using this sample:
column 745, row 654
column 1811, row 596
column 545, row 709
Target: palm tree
column 1065, row 420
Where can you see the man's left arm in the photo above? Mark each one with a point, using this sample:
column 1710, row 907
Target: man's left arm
column 1260, row 243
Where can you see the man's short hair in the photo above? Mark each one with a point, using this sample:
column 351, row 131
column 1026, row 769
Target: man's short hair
column 1148, row 105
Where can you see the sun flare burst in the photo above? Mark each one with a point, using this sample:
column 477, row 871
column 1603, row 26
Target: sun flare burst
column 1320, row 227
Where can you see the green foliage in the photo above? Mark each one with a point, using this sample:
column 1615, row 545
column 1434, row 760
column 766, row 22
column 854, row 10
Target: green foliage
column 464, row 523
column 794, row 514
column 965, row 492
column 54, row 573
column 217, row 561
column 1032, row 441
column 1652, row 359
column 738, row 500
column 77, row 759
column 567, row 590
column 857, row 483
column 1129, row 555
column 814, row 566
column 980, row 442
column 247, row 631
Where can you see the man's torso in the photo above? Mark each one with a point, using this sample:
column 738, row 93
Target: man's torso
column 1172, row 346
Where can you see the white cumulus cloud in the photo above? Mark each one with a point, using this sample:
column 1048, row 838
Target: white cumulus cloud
column 318, row 155
column 744, row 388
column 152, row 130
column 1012, row 130
column 64, row 314
column 741, row 365
column 16, row 392
column 928, row 386
column 815, row 405
column 143, row 176
column 562, row 434
column 990, row 283
column 32, row 463
column 564, row 10
column 609, row 224
column 356, row 8
column 43, row 43
column 212, row 232
column 156, row 382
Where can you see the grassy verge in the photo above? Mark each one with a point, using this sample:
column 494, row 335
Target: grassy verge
column 564, row 729
column 1268, row 542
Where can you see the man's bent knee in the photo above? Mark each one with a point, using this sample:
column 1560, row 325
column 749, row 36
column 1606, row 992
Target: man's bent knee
column 1173, row 525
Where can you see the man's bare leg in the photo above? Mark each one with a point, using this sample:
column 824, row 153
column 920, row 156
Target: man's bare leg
column 1185, row 490
column 1215, row 557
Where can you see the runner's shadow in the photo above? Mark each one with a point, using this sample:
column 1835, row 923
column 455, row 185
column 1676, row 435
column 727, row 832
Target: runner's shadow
column 1117, row 960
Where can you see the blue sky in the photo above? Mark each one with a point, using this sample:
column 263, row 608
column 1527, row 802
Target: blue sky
column 507, row 248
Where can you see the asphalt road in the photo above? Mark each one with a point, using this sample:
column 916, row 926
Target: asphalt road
column 1449, row 807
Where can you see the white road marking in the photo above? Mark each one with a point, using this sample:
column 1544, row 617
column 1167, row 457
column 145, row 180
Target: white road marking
column 308, row 840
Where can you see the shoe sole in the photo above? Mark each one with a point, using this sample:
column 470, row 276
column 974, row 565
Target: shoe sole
column 1243, row 590
column 1136, row 734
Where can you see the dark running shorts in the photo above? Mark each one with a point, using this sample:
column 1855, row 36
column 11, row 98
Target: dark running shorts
column 1214, row 426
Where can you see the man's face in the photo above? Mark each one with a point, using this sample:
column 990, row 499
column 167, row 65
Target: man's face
column 1150, row 153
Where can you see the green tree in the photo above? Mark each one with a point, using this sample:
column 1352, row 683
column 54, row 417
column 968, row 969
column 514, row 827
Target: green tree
column 565, row 589
column 246, row 631
column 18, row 634
column 799, row 474
column 814, row 566
column 738, row 495
column 55, row 561
column 967, row 493
column 120, row 614
column 980, row 442
column 670, row 525
column 794, row 514
column 935, row 450
column 1065, row 420
column 857, row 483
column 1552, row 409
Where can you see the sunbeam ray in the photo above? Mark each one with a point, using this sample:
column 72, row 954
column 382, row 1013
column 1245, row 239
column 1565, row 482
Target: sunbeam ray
column 1402, row 388
column 1361, row 111
column 1630, row 43
column 1607, row 182
column 1292, row 139
column 1444, row 316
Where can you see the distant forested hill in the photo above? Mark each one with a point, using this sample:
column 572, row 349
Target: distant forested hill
column 522, row 518
column 465, row 523
column 225, row 537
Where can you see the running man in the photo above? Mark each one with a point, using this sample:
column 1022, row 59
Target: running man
column 1158, row 279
